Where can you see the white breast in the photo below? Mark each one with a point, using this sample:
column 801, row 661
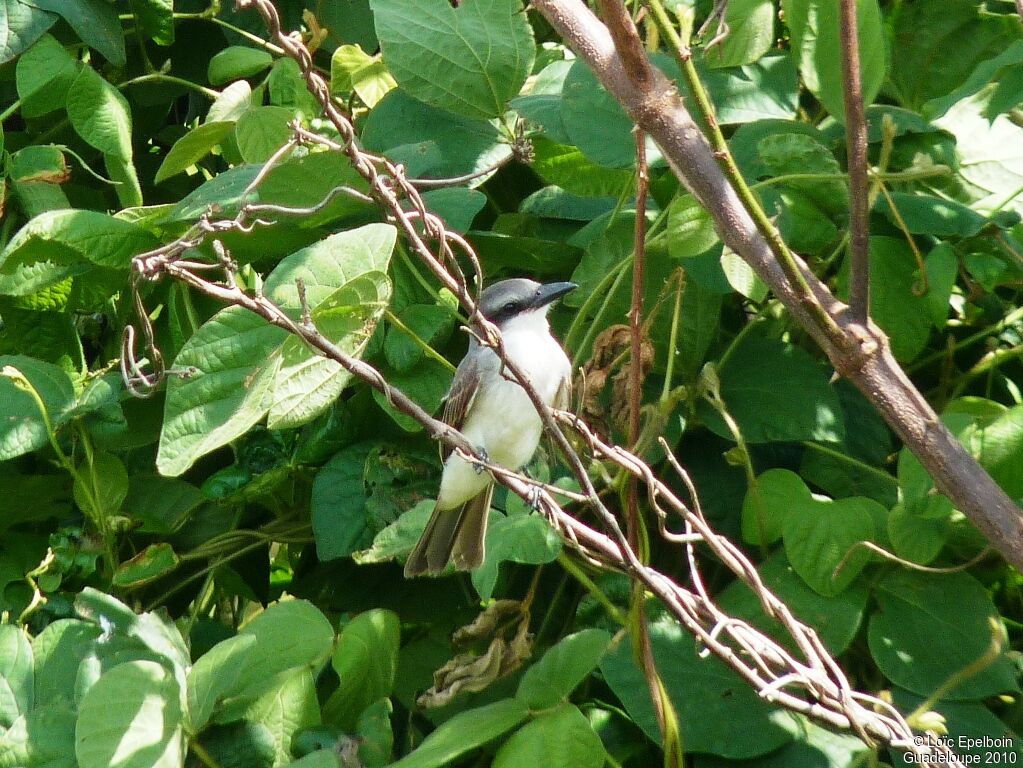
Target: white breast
column 503, row 420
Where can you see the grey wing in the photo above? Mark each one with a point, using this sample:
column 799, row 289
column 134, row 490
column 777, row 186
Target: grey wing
column 464, row 388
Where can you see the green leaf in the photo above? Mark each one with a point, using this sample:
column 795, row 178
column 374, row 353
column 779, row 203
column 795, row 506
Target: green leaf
column 929, row 628
column 24, row 429
column 942, row 268
column 233, row 102
column 156, row 19
column 338, row 504
column 100, row 114
column 289, row 634
column 131, row 718
column 776, row 392
column 936, row 46
column 214, row 674
column 236, row 62
column 365, row 659
column 191, row 148
column 351, row 68
column 759, row 91
column 718, row 711
column 553, row 678
column 21, row 24
column 285, row 710
column 45, row 737
column 823, row 535
column 397, row 539
column 750, row 25
column 430, row 142
column 597, row 124
column 784, row 154
column 74, row 235
column 990, row 166
column 101, row 485
column 528, row 539
column 561, row 738
column 49, row 496
column 690, row 228
column 914, row 537
column 465, row 732
column 95, row 22
column 375, row 734
column 153, row 562
column 836, row 619
column 426, row 383
column 996, row 441
column 17, row 680
column 154, row 631
column 699, row 320
column 261, row 131
column 160, row 504
column 436, row 52
column 770, row 498
column 542, row 105
column 971, row 726
column 347, row 290
column 229, row 366
column 894, row 303
column 925, row 214
column 321, row 758
column 741, row 277
column 287, row 88
column 817, row 531
column 458, row 206
column 565, row 166
column 816, row 48
column 59, row 650
column 122, row 172
column 304, row 182
column 52, row 336
column 992, row 70
column 44, row 74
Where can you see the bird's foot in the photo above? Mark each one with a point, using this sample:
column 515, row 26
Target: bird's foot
column 480, row 464
column 534, row 497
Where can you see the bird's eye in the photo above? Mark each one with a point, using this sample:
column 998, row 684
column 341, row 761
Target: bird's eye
column 512, row 307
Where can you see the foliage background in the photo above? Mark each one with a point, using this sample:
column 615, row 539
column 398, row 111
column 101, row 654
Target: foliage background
column 142, row 537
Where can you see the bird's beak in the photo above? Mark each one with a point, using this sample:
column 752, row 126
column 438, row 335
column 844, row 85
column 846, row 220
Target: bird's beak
column 551, row 292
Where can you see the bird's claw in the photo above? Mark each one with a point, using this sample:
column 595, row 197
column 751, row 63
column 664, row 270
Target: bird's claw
column 480, row 464
column 534, row 496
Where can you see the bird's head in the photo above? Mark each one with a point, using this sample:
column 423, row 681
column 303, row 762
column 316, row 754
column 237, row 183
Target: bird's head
column 520, row 299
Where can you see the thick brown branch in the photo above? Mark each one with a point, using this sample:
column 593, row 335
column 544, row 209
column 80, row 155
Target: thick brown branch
column 861, row 352
column 856, row 158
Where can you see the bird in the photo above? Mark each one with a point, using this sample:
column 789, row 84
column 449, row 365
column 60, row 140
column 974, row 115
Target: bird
column 495, row 414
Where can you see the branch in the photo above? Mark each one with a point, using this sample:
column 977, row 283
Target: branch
column 858, row 351
column 856, row 159
column 813, row 685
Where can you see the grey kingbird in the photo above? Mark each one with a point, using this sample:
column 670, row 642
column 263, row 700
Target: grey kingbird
column 488, row 406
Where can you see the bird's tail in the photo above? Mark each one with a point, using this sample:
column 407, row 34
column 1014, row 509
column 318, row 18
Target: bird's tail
column 452, row 535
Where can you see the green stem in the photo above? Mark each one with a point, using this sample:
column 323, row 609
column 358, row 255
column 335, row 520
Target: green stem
column 204, row 757
column 786, row 259
column 207, row 16
column 845, row 457
column 894, row 177
column 419, row 341
column 10, row 110
column 1009, row 320
column 159, row 77
column 580, row 575
column 673, row 336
